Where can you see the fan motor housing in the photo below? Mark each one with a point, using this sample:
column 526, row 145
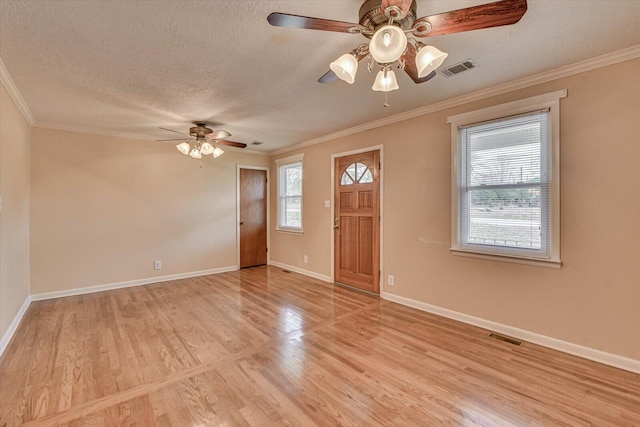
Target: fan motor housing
column 372, row 17
column 199, row 131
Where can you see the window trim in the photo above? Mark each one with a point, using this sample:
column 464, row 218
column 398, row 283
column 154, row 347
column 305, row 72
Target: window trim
column 286, row 161
column 552, row 102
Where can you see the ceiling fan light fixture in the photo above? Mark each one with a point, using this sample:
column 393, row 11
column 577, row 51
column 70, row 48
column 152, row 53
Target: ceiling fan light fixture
column 345, row 67
column 206, row 148
column 428, row 59
column 217, row 152
column 195, row 153
column 388, row 44
column 184, row 148
column 385, row 81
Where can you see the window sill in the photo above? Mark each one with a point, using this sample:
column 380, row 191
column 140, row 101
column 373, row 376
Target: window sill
column 536, row 262
column 289, row 230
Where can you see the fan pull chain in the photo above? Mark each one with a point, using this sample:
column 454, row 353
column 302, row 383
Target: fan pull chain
column 386, row 86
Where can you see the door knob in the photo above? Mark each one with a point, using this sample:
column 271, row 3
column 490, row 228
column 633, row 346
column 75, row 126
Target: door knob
column 242, row 223
column 335, row 223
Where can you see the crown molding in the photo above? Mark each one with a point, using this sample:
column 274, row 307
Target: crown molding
column 532, row 80
column 10, row 85
column 135, row 136
column 91, row 131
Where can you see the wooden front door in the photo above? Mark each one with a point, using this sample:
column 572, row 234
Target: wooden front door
column 357, row 221
column 253, row 217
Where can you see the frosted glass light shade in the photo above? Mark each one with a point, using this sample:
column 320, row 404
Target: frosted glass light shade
column 183, row 147
column 385, row 84
column 206, row 148
column 428, row 59
column 195, row 153
column 345, row 67
column 217, row 152
column 388, row 44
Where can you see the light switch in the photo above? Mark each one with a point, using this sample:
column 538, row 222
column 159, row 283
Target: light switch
column 327, row 203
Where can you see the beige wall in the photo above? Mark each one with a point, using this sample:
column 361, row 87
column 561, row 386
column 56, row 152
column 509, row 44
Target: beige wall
column 104, row 208
column 15, row 136
column 593, row 300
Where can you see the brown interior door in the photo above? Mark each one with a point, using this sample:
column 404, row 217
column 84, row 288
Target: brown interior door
column 357, row 221
column 253, row 217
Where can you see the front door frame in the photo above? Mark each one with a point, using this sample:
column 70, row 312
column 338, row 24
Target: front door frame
column 380, row 207
column 261, row 168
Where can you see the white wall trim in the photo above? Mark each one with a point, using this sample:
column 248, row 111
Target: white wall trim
column 535, row 79
column 6, row 338
column 268, row 195
column 290, row 159
column 614, row 360
column 129, row 283
column 304, row 272
column 14, row 92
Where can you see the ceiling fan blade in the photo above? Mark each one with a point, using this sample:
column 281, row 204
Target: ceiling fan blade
column 219, row 134
column 496, row 14
column 330, row 76
column 175, row 131
column 410, row 66
column 296, row 21
column 231, row 143
column 404, row 6
column 419, row 80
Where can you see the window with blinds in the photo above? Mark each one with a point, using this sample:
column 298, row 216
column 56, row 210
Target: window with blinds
column 504, row 185
column 505, row 194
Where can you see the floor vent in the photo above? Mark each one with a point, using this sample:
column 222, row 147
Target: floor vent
column 505, row 339
column 286, row 271
column 458, row 68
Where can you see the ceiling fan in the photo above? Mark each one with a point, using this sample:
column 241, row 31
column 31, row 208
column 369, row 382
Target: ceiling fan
column 388, row 22
column 203, row 140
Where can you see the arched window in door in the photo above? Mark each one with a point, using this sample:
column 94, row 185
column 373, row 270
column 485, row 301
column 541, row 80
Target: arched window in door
column 356, row 173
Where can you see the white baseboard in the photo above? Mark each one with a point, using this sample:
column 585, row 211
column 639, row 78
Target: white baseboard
column 129, row 283
column 313, row 274
column 6, row 338
column 614, row 360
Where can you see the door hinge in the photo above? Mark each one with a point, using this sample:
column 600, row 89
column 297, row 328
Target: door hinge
column 267, row 249
column 379, row 166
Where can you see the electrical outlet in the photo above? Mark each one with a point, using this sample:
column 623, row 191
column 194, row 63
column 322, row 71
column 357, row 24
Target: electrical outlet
column 157, row 265
column 305, row 259
column 391, row 281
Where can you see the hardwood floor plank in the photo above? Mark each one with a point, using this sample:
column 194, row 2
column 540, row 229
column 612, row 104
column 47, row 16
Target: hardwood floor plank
column 260, row 347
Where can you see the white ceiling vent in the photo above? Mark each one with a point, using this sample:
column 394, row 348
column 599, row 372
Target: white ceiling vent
column 458, row 68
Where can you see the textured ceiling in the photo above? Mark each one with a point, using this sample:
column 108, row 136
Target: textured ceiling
column 133, row 66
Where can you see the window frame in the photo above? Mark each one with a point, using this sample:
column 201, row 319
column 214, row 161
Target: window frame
column 280, row 165
column 549, row 101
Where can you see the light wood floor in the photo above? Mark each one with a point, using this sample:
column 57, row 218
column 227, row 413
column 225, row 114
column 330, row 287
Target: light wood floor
column 263, row 347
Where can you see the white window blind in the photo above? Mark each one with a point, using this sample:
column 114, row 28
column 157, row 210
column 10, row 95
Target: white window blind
column 290, row 195
column 504, row 186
